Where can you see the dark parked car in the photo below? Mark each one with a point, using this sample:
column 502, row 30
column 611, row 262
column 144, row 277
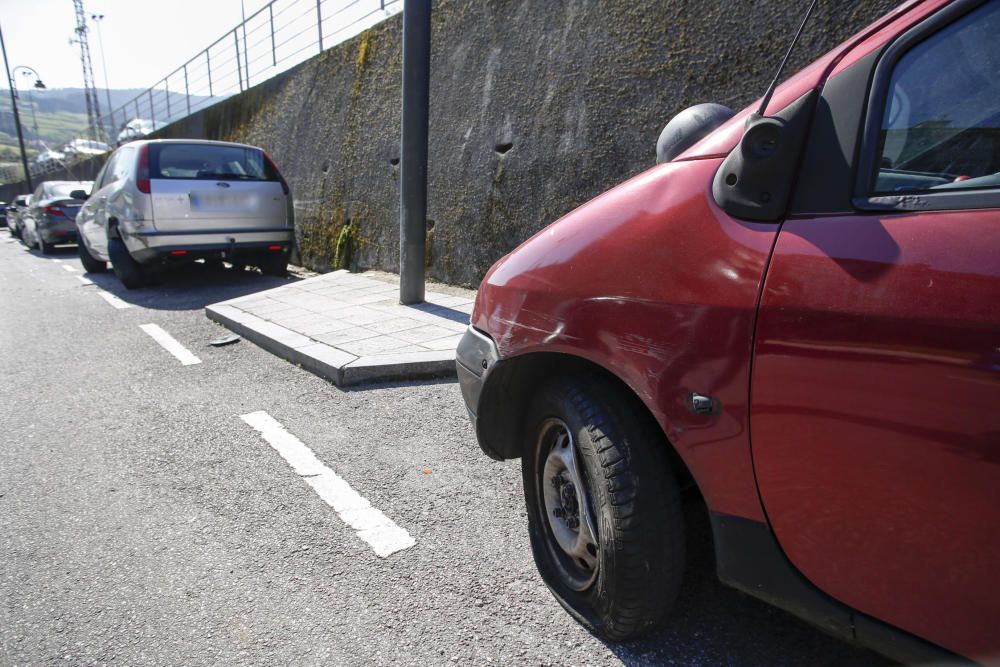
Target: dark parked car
column 50, row 220
column 14, row 212
column 793, row 318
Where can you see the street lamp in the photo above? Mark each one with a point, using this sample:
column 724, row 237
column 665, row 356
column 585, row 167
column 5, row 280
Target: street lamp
column 31, row 73
column 17, row 116
column 97, row 18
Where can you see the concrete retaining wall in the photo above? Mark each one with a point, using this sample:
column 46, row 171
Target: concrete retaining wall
column 536, row 107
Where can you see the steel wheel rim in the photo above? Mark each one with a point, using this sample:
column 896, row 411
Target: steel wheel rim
column 566, row 502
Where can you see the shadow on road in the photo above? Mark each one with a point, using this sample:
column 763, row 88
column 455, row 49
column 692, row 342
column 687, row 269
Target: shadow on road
column 713, row 624
column 182, row 287
column 191, row 286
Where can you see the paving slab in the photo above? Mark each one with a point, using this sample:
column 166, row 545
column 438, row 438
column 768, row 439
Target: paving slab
column 350, row 328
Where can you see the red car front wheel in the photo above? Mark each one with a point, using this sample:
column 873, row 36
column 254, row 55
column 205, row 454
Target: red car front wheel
column 603, row 507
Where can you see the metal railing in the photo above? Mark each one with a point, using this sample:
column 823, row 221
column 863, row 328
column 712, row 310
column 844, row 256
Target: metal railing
column 280, row 35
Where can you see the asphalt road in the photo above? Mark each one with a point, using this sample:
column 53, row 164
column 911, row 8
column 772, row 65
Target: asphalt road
column 143, row 522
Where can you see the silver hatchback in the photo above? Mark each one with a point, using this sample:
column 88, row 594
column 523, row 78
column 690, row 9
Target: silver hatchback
column 178, row 200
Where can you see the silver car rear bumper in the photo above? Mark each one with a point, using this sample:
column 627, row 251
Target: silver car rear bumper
column 147, row 246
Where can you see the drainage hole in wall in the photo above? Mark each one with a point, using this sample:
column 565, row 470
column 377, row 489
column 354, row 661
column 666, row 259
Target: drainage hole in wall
column 430, row 224
column 503, row 148
column 394, row 161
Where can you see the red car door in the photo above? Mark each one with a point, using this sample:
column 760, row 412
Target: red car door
column 875, row 392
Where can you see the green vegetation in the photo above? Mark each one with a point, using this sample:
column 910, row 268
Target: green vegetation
column 345, row 248
column 55, row 128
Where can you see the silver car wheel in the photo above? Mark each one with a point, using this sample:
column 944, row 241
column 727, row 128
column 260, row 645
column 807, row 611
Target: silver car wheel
column 568, row 506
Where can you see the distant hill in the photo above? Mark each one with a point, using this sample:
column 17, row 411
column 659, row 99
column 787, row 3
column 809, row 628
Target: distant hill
column 73, row 100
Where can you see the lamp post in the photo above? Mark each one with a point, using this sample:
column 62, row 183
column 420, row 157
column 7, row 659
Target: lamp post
column 17, row 117
column 31, row 73
column 413, row 154
column 97, row 18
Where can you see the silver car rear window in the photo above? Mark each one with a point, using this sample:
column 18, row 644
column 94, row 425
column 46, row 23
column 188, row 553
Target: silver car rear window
column 194, row 161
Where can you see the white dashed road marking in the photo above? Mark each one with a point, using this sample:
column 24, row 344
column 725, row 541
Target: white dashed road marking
column 371, row 525
column 88, row 281
column 69, row 267
column 112, row 299
column 170, row 344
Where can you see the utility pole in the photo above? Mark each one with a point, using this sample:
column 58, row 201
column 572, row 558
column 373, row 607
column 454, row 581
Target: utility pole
column 17, row 117
column 413, row 161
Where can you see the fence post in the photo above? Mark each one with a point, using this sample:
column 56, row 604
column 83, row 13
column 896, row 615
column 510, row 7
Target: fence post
column 152, row 111
column 187, row 91
column 239, row 67
column 208, row 66
column 137, row 114
column 166, row 87
column 319, row 24
column 246, row 57
column 274, row 50
column 413, row 157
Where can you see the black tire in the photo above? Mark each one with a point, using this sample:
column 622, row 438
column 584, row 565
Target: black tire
column 275, row 264
column 131, row 273
column 90, row 264
column 632, row 574
column 44, row 247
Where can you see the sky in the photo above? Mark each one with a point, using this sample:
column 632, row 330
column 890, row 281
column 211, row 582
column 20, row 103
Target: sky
column 144, row 39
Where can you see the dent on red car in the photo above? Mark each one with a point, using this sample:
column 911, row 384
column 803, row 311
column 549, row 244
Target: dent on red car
column 679, row 320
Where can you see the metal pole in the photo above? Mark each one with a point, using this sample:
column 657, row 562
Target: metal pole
column 246, row 58
column 274, row 50
column 137, row 114
column 17, row 117
column 208, row 67
column 239, row 67
column 166, row 87
column 319, row 24
column 413, row 169
column 187, row 91
column 31, row 103
column 152, row 112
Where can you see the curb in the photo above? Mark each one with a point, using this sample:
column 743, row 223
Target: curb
column 330, row 363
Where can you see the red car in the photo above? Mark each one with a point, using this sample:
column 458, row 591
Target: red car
column 796, row 315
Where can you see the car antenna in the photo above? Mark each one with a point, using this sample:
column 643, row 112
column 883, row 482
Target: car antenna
column 774, row 84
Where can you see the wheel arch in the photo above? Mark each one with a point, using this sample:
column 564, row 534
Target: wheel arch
column 508, row 389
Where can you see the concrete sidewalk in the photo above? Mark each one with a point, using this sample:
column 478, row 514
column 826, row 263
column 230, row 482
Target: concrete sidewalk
column 350, row 328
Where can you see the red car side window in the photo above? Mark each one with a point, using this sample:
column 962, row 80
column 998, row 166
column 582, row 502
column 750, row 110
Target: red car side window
column 941, row 121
